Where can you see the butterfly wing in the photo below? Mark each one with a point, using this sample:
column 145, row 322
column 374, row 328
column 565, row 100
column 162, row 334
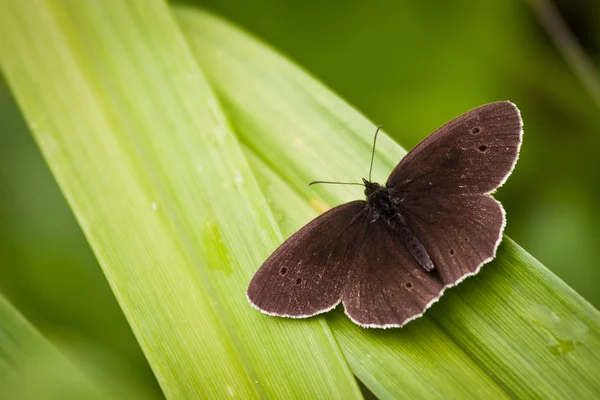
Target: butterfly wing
column 473, row 153
column 387, row 287
column 459, row 232
column 306, row 275
column 442, row 188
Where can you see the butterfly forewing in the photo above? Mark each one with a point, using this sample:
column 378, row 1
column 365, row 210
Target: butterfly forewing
column 306, row 275
column 473, row 153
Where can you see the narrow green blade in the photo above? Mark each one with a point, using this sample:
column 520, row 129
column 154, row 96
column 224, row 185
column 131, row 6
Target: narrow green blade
column 144, row 156
column 517, row 321
column 32, row 368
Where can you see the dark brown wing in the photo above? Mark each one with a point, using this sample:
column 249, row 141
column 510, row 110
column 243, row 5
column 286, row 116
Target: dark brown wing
column 306, row 275
column 473, row 153
column 442, row 188
column 460, row 232
column 387, row 287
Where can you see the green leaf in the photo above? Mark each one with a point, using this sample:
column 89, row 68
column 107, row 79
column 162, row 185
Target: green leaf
column 26, row 357
column 514, row 327
column 21, row 347
column 141, row 150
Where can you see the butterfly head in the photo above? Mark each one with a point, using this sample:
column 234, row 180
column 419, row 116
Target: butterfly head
column 372, row 188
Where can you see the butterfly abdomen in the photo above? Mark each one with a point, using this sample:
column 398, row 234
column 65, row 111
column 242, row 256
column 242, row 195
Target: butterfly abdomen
column 411, row 241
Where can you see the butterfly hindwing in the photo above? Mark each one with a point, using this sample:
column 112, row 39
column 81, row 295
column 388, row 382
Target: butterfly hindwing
column 306, row 275
column 387, row 287
column 460, row 232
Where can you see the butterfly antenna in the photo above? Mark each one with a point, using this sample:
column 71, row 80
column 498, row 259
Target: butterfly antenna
column 336, row 183
column 373, row 152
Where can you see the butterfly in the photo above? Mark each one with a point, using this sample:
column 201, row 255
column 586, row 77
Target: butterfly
column 390, row 257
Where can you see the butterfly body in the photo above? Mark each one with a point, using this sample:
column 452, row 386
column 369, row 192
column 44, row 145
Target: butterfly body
column 378, row 198
column 433, row 223
column 387, row 207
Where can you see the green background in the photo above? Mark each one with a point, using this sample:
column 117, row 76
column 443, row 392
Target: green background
column 407, row 65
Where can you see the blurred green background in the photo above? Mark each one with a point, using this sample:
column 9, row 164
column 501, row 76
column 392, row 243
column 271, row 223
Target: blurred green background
column 407, row 65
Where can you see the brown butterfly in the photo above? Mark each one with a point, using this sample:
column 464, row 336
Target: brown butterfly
column 387, row 259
